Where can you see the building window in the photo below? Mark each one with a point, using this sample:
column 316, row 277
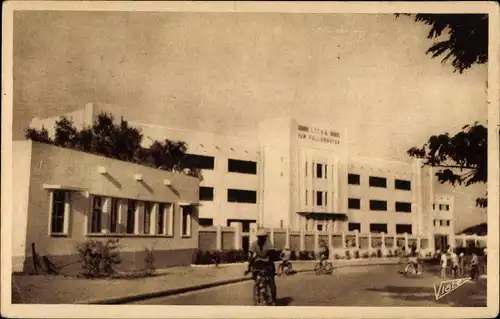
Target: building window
column 378, row 205
column 403, row 207
column 319, row 198
column 354, row 203
column 206, row 193
column 403, row 228
column 326, row 171
column 434, row 206
column 353, row 179
column 131, row 207
column 378, row 228
column 319, row 227
column 326, row 198
column 199, row 161
column 206, row 222
column 306, row 196
column 319, row 170
column 435, row 222
column 306, row 168
column 186, row 221
column 59, row 212
column 377, row 182
column 148, row 210
column 244, row 167
column 241, row 196
column 441, row 223
column 354, row 226
column 113, row 216
column 447, row 223
column 444, row 207
column 165, row 220
column 96, row 219
column 402, row 184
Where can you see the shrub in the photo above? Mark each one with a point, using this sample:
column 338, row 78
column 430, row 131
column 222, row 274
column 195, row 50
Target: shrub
column 98, row 259
column 365, row 255
column 220, row 257
column 347, row 254
column 356, row 254
column 389, row 253
column 336, row 256
column 373, row 254
column 379, row 253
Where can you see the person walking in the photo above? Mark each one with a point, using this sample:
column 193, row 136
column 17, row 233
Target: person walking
column 444, row 264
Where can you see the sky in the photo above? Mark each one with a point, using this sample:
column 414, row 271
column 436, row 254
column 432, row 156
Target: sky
column 225, row 72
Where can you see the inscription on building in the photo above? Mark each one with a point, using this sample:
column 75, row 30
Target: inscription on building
column 318, row 135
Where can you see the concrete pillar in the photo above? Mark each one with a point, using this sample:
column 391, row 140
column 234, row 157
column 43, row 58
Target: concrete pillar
column 357, row 238
column 219, row 238
column 271, row 236
column 344, row 244
column 122, row 216
column 238, row 229
column 302, row 240
column 106, row 215
column 330, row 240
column 370, row 242
column 253, row 231
column 138, row 218
column 395, row 242
column 406, row 242
column 152, row 219
column 287, row 237
column 316, row 240
column 383, row 241
column 464, row 240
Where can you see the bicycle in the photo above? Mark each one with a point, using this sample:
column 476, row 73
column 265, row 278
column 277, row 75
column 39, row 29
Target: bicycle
column 323, row 268
column 410, row 268
column 285, row 268
column 262, row 289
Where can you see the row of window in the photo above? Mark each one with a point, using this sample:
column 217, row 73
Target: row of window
column 382, row 228
column 442, row 222
column 380, row 205
column 233, row 195
column 233, row 165
column 111, row 215
column 443, row 207
column 381, row 182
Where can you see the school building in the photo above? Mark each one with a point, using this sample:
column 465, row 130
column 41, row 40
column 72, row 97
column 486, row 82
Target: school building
column 297, row 176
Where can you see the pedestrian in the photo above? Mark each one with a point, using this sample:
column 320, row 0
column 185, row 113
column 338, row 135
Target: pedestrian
column 444, row 264
column 454, row 263
column 461, row 261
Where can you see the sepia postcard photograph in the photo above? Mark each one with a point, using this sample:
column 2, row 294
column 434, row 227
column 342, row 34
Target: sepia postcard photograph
column 250, row 159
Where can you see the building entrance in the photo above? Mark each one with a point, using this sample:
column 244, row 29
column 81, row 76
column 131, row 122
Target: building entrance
column 441, row 242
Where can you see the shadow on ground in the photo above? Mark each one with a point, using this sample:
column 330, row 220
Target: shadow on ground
column 285, row 301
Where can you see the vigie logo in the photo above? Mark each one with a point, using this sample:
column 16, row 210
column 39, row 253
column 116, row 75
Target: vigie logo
column 447, row 286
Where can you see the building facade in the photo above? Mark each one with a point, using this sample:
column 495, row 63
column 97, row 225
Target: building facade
column 302, row 177
column 63, row 197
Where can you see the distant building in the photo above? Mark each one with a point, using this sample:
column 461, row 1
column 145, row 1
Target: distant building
column 298, row 176
column 63, row 197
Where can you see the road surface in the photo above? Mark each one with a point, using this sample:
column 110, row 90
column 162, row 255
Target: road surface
column 354, row 286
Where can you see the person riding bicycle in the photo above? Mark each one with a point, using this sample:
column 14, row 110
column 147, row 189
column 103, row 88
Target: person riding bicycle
column 413, row 260
column 324, row 253
column 261, row 257
column 285, row 256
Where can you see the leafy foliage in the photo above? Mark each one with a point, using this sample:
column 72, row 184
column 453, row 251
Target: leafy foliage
column 467, row 43
column 117, row 141
column 98, row 259
column 462, row 158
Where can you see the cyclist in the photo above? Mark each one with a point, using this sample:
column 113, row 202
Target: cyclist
column 413, row 260
column 324, row 253
column 260, row 257
column 285, row 256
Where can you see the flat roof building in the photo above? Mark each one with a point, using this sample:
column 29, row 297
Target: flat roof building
column 298, row 176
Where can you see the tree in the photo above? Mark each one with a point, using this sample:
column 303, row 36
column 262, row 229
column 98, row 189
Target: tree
column 467, row 43
column 461, row 159
column 117, row 141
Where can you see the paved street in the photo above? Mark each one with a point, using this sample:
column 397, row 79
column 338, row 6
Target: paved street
column 355, row 286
